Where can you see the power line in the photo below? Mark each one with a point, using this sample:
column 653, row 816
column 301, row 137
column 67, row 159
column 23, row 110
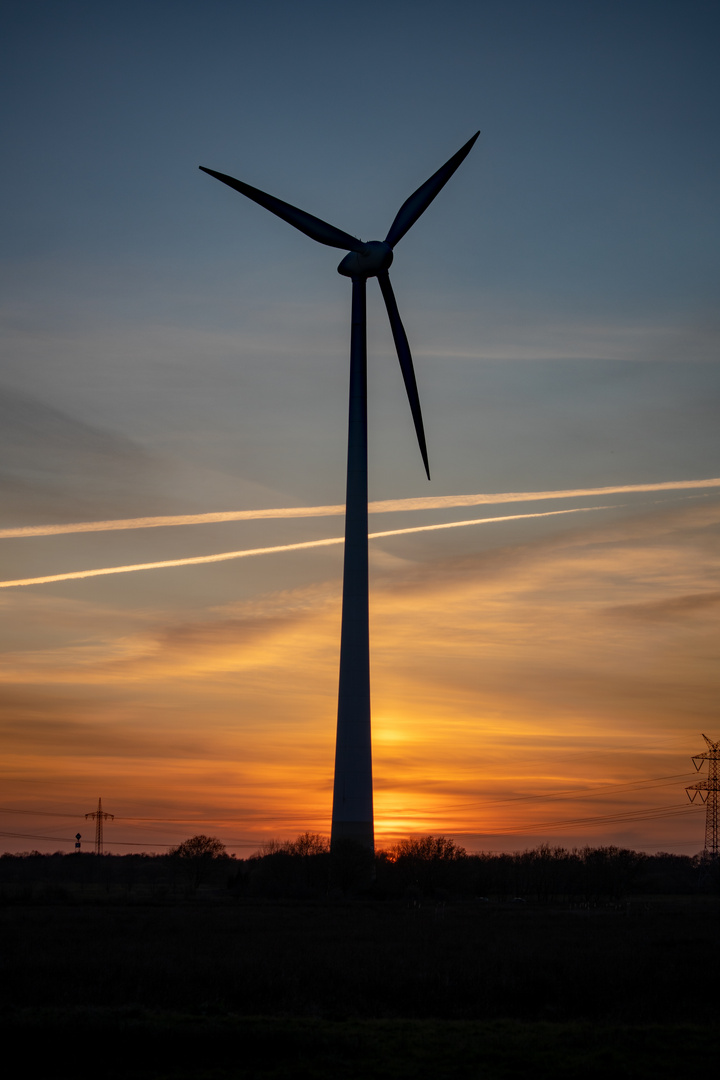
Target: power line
column 33, row 836
column 580, row 794
column 644, row 814
column 564, row 793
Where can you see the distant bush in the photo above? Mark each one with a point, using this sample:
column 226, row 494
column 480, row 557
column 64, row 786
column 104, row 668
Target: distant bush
column 297, row 868
column 197, row 856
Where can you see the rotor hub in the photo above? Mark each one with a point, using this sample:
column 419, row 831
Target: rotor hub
column 376, row 257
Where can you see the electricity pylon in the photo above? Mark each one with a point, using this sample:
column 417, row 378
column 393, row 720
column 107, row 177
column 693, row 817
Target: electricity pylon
column 99, row 815
column 708, row 791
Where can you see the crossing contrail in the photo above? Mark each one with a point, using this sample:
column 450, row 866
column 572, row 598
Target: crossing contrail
column 386, row 506
column 247, row 552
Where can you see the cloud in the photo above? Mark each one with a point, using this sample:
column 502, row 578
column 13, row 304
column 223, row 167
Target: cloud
column 513, row 329
column 543, row 605
column 444, row 502
column 494, row 674
column 194, row 560
column 64, row 735
column 54, row 463
column 439, row 502
column 677, row 608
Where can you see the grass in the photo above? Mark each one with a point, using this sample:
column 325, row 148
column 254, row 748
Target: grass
column 368, row 989
column 372, row 960
column 158, row 1046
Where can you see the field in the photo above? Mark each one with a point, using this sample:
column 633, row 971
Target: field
column 211, row 986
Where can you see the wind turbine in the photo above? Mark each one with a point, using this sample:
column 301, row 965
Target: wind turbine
column 352, row 816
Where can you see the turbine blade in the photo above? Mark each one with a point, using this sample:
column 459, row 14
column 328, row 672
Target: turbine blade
column 406, row 364
column 306, row 223
column 419, row 201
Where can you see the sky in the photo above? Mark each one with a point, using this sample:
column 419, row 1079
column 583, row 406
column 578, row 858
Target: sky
column 174, row 365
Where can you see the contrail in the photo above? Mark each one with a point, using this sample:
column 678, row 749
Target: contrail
column 386, row 506
column 247, row 552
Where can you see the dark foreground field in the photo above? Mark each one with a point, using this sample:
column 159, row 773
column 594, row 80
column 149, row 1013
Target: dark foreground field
column 219, row 988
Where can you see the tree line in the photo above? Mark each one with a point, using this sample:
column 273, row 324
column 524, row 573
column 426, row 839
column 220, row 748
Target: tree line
column 433, row 868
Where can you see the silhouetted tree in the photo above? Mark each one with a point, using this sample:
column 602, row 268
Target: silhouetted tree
column 429, row 863
column 428, row 848
column 289, row 867
column 198, row 855
column 609, row 871
column 308, row 844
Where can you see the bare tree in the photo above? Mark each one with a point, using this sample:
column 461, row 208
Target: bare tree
column 428, row 863
column 309, row 844
column 198, row 855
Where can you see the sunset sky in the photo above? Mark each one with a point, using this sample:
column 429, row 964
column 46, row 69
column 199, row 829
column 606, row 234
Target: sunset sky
column 544, row 666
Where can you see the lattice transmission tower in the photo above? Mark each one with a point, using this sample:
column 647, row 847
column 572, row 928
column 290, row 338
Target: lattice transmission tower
column 99, row 816
column 708, row 792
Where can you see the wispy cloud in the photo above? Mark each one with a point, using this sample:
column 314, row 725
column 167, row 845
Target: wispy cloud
column 495, row 675
column 678, row 607
column 223, row 556
column 386, row 506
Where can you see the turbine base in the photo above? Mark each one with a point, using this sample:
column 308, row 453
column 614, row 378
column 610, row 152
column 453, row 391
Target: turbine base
column 361, row 833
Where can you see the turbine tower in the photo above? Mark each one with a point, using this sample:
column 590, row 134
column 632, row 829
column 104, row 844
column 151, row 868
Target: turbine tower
column 352, row 815
column 708, row 791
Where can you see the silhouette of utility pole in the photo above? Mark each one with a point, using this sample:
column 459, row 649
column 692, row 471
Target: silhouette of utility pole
column 99, row 815
column 708, row 791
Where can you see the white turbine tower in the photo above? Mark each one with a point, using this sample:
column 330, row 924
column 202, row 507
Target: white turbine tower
column 352, row 816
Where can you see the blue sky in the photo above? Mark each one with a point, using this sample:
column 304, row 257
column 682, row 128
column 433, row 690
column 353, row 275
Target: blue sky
column 170, row 348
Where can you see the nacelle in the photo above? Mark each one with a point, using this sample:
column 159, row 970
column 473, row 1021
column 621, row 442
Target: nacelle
column 376, row 257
